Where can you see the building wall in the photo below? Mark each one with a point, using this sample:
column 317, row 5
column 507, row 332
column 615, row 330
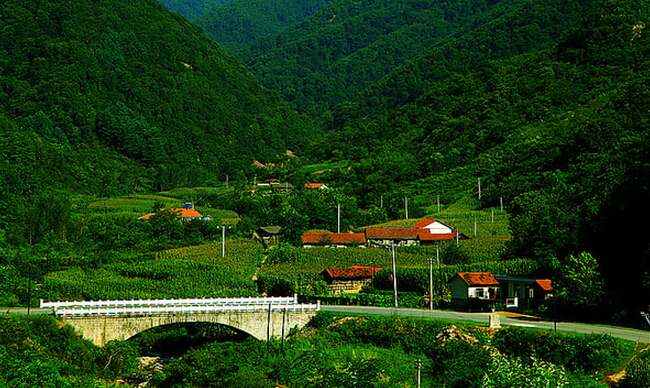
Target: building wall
column 438, row 228
column 348, row 286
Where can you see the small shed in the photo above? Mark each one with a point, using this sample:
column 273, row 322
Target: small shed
column 348, row 280
column 473, row 290
column 269, row 234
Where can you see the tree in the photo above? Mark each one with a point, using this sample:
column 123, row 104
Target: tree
column 579, row 281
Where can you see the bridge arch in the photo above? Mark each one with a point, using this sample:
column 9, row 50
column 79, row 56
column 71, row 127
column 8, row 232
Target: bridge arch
column 261, row 325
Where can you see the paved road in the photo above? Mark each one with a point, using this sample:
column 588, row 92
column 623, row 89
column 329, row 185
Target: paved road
column 506, row 319
column 483, row 318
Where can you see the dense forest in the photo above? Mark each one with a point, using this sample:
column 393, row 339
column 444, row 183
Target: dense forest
column 192, row 9
column 129, row 102
column 241, row 23
column 348, row 46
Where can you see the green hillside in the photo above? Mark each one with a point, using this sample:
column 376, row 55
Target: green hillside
column 350, row 45
column 115, row 96
column 192, row 9
column 240, row 23
column 560, row 134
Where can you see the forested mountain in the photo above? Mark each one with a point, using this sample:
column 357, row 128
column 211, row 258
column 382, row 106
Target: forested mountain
column 561, row 134
column 350, row 45
column 111, row 96
column 192, row 9
column 240, row 23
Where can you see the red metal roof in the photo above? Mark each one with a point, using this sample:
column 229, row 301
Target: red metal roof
column 426, row 235
column 545, row 284
column 356, row 272
column 474, row 279
column 334, row 238
column 392, row 233
column 425, row 222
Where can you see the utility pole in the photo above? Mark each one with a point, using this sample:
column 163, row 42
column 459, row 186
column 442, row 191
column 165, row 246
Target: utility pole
column 475, row 226
column 457, row 237
column 501, row 201
column 381, row 201
column 493, row 215
column 430, row 284
column 392, row 249
column 479, row 189
column 338, row 218
column 223, row 239
column 406, row 207
column 226, row 180
column 438, row 200
column 419, row 364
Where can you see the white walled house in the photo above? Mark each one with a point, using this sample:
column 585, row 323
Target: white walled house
column 472, row 290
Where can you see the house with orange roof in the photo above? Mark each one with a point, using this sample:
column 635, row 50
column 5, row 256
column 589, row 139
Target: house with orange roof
column 473, row 290
column 476, row 291
column 319, row 186
column 187, row 213
column 348, row 280
column 392, row 236
column 333, row 240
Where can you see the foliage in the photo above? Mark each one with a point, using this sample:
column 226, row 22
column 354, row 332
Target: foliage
column 37, row 351
column 579, row 281
column 239, row 24
column 587, row 353
column 637, row 373
column 506, row 372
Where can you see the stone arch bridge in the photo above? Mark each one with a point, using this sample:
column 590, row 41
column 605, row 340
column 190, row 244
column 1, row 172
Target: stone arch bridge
column 261, row 317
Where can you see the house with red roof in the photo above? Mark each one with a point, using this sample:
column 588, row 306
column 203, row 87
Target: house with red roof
column 473, row 289
column 319, row 186
column 476, row 291
column 348, row 280
column 187, row 213
column 429, row 231
column 333, row 240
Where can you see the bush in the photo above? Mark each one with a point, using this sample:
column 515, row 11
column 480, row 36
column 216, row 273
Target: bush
column 588, row 353
column 637, row 374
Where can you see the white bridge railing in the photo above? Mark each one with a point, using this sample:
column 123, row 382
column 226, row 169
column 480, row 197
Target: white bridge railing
column 177, row 306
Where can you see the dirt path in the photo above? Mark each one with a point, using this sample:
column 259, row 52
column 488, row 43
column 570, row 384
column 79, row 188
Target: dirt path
column 612, row 380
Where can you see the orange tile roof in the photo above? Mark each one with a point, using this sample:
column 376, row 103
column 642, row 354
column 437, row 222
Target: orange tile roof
column 545, row 284
column 333, row 238
column 313, row 185
column 425, row 222
column 478, row 279
column 392, row 233
column 183, row 213
column 355, row 272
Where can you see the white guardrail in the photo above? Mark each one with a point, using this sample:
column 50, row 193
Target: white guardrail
column 174, row 306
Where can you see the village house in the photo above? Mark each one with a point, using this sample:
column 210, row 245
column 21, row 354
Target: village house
column 348, row 280
column 473, row 290
column 187, row 213
column 319, row 186
column 479, row 290
column 333, row 240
